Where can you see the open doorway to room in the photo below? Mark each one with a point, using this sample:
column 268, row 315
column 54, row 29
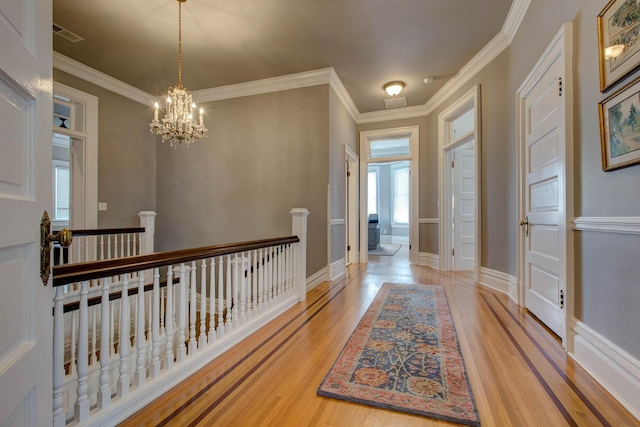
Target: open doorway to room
column 389, row 195
column 459, row 141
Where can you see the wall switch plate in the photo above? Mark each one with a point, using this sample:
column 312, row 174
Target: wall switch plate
column 102, row 206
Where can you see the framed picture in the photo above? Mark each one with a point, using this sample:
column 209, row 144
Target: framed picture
column 618, row 41
column 620, row 127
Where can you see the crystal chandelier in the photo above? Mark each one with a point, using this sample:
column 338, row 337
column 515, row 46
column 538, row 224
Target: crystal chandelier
column 178, row 124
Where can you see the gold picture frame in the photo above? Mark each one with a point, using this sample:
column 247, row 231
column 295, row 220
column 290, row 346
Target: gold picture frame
column 618, row 41
column 620, row 127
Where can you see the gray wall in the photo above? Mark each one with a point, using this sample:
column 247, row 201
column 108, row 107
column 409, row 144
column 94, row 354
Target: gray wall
column 342, row 131
column 264, row 155
column 126, row 155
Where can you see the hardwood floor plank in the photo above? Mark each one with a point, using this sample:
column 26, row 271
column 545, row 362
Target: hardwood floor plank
column 518, row 371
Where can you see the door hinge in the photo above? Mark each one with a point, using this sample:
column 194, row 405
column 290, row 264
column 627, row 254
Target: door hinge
column 348, row 247
column 409, row 247
column 453, row 252
column 453, row 163
column 559, row 86
column 348, row 173
column 561, row 298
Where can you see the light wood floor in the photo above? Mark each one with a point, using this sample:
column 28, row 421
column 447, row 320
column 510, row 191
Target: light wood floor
column 519, row 373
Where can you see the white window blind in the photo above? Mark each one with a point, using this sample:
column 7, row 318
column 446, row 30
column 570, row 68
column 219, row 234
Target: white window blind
column 61, row 192
column 401, row 195
column 372, row 192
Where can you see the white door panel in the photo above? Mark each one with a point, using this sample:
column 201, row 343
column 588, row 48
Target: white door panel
column 544, row 197
column 25, row 192
column 464, row 220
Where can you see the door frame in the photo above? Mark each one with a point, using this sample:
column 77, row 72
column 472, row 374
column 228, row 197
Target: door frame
column 446, row 145
column 351, row 205
column 561, row 44
column 87, row 216
column 366, row 137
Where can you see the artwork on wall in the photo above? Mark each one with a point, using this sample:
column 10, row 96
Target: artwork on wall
column 618, row 41
column 620, row 127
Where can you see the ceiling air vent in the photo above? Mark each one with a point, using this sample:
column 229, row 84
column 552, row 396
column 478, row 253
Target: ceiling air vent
column 395, row 102
column 63, row 32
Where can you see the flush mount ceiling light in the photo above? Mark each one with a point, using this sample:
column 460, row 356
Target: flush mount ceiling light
column 178, row 124
column 613, row 51
column 394, row 88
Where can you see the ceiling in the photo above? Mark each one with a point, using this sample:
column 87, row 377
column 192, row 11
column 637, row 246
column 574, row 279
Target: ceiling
column 367, row 42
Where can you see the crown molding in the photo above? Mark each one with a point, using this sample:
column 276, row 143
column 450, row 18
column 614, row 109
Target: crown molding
column 84, row 72
column 257, row 87
column 515, row 17
column 317, row 77
column 336, row 84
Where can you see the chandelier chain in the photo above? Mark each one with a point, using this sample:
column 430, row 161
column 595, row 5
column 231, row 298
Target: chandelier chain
column 180, row 44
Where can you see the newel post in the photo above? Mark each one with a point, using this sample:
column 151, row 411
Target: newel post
column 299, row 228
column 148, row 222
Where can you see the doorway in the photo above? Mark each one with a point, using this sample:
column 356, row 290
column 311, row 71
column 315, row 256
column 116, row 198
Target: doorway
column 351, row 192
column 396, row 151
column 459, row 190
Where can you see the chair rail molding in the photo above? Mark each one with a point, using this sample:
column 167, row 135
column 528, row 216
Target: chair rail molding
column 614, row 224
column 429, row 221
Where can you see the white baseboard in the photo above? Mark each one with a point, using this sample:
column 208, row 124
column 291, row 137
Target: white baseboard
column 396, row 240
column 317, row 278
column 616, row 370
column 497, row 280
column 429, row 259
column 337, row 270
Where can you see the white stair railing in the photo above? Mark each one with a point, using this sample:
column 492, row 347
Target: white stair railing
column 169, row 315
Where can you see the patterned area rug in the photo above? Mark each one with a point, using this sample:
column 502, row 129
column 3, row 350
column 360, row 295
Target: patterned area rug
column 404, row 355
column 386, row 249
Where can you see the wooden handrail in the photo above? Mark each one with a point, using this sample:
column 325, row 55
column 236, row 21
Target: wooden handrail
column 73, row 273
column 103, row 231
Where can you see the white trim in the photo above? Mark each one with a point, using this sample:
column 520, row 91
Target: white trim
column 615, row 224
column 258, row 87
column 395, row 240
column 351, row 188
column 430, row 260
column 89, row 217
column 429, row 221
column 337, row 222
column 488, row 53
column 562, row 46
column 466, row 102
column 336, row 84
column 496, row 280
column 612, row 367
column 413, row 132
column 337, row 270
column 317, row 278
column 84, row 72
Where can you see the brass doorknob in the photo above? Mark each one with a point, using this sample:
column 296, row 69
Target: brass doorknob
column 64, row 237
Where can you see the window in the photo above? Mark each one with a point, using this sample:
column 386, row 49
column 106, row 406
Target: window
column 389, row 148
column 400, row 178
column 372, row 191
column 61, row 190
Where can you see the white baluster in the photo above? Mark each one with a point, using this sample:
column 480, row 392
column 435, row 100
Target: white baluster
column 242, row 283
column 261, row 291
column 202, row 338
column 61, row 256
column 212, row 301
column 128, row 244
column 220, row 329
column 193, row 344
column 81, row 408
column 95, row 248
column 270, row 279
column 141, row 370
column 116, row 253
column 254, row 279
column 79, row 250
column 92, row 354
column 122, row 245
column 154, row 368
column 108, row 247
column 72, row 363
column 101, row 247
column 86, row 248
column 162, row 304
column 236, row 286
column 123, row 339
column 280, row 259
column 104, row 391
column 168, row 324
column 58, row 358
column 228, row 325
column 182, row 314
column 135, row 244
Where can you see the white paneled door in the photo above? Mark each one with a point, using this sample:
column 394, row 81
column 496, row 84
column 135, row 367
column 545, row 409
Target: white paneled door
column 25, row 193
column 544, row 165
column 464, row 216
